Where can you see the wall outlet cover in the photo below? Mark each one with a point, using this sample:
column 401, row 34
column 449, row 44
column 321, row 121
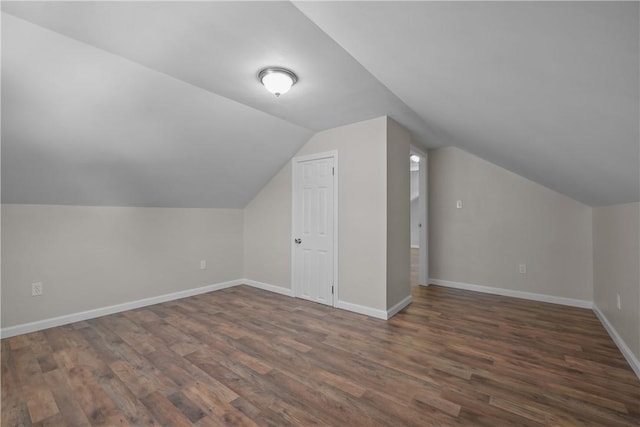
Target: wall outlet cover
column 36, row 289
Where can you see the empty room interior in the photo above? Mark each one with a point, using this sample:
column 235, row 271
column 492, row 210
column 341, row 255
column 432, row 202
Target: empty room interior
column 306, row 213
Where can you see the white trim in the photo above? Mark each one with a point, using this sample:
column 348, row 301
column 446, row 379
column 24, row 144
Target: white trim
column 267, row 287
column 336, row 188
column 415, row 246
column 361, row 309
column 316, row 156
column 399, row 306
column 39, row 325
column 336, row 225
column 423, row 213
column 617, row 339
column 513, row 293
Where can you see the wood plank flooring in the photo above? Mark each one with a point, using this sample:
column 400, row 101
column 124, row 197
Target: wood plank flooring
column 246, row 357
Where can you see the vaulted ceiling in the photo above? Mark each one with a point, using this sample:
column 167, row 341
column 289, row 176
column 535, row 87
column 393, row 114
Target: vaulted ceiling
column 157, row 103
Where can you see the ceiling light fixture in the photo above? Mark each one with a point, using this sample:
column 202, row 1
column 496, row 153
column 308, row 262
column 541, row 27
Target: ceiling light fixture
column 415, row 158
column 277, row 80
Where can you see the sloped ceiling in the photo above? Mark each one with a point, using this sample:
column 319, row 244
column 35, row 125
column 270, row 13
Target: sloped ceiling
column 549, row 90
column 157, row 103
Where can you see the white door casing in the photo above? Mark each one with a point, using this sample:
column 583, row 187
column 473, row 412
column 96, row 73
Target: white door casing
column 314, row 248
column 423, row 217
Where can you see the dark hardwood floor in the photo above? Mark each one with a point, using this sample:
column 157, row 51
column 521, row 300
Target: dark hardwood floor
column 243, row 356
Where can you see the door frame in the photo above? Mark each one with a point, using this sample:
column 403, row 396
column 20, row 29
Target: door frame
column 423, row 215
column 294, row 183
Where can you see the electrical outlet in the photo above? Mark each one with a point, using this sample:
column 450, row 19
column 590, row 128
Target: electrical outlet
column 458, row 204
column 36, row 289
column 203, row 264
column 523, row 268
column 618, row 301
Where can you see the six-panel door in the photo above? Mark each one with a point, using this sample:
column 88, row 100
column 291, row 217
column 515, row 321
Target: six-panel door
column 313, row 229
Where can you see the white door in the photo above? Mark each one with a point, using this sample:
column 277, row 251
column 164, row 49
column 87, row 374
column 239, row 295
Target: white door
column 314, row 228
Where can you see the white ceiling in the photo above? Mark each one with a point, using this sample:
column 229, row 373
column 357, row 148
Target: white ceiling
column 83, row 126
column 157, row 103
column 549, row 90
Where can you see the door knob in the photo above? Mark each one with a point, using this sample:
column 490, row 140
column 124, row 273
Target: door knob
column 298, row 241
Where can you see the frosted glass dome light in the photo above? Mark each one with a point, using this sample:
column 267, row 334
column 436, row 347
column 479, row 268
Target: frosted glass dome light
column 277, row 80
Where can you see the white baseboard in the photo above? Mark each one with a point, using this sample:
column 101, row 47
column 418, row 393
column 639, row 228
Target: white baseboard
column 356, row 308
column 361, row 309
column 399, row 306
column 617, row 339
column 39, row 325
column 267, row 287
column 512, row 293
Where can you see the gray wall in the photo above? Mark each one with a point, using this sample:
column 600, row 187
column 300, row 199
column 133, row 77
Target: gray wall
column 267, row 232
column 398, row 215
column 92, row 257
column 361, row 208
column 616, row 267
column 506, row 220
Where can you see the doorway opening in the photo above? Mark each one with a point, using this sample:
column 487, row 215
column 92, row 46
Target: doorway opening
column 418, row 218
